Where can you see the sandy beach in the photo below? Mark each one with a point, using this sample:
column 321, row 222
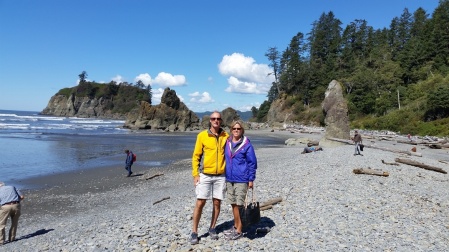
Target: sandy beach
column 325, row 207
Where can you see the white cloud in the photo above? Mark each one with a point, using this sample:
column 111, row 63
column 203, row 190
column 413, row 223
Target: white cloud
column 168, row 80
column 156, row 96
column 198, row 97
column 145, row 78
column 248, row 107
column 245, row 76
column 118, row 78
column 238, row 86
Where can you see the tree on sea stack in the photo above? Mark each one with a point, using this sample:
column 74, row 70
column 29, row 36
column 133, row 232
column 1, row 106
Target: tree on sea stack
column 83, row 76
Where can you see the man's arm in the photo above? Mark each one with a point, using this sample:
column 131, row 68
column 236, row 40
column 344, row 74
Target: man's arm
column 196, row 158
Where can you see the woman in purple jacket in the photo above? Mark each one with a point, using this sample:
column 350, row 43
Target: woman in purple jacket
column 241, row 165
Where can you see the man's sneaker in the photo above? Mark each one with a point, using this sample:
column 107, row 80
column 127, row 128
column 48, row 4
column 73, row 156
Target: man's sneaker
column 229, row 231
column 235, row 236
column 213, row 234
column 194, row 238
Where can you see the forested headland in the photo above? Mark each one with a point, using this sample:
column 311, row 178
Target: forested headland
column 393, row 78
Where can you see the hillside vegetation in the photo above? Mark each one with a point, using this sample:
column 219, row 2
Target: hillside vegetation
column 393, row 79
column 118, row 98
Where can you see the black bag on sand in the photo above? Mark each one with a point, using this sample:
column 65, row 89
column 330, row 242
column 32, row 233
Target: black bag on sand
column 361, row 146
column 250, row 212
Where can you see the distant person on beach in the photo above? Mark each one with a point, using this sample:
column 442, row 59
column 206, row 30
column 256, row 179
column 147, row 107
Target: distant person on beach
column 357, row 141
column 241, row 165
column 129, row 162
column 10, row 199
column 209, row 180
column 310, row 149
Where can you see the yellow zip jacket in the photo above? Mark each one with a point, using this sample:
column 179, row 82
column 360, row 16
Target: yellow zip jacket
column 210, row 148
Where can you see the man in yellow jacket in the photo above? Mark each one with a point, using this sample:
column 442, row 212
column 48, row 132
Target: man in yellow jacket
column 209, row 180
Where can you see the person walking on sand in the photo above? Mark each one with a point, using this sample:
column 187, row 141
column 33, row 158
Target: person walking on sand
column 10, row 199
column 241, row 165
column 357, row 141
column 129, row 162
column 209, row 180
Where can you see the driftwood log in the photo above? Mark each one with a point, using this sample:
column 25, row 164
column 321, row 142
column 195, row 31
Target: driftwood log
column 407, row 142
column 269, row 204
column 410, row 153
column 159, row 201
column 387, row 163
column 370, row 172
column 266, row 207
column 435, row 146
column 155, row 175
column 420, row 165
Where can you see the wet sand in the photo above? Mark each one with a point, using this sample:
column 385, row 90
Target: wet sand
column 57, row 193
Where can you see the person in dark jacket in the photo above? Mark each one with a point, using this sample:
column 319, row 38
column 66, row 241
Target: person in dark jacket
column 357, row 141
column 241, row 165
column 129, row 162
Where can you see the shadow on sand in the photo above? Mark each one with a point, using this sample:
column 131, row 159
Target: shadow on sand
column 38, row 232
column 252, row 232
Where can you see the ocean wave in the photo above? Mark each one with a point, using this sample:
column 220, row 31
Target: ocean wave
column 14, row 126
column 95, row 121
column 12, row 115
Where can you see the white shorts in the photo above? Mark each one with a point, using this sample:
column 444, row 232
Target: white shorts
column 211, row 187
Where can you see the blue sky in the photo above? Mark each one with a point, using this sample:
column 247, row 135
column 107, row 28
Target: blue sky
column 210, row 52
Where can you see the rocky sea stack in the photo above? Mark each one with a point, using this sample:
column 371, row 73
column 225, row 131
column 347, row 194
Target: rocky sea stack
column 170, row 115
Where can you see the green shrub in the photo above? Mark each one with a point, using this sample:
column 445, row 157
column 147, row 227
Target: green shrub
column 66, row 92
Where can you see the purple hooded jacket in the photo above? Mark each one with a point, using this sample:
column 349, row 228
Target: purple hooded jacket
column 241, row 162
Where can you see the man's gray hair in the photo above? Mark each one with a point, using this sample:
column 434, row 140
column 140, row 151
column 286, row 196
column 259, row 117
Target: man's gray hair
column 2, row 184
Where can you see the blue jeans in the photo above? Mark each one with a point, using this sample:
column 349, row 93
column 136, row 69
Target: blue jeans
column 128, row 168
column 357, row 150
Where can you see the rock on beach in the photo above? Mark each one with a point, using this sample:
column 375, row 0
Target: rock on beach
column 325, row 207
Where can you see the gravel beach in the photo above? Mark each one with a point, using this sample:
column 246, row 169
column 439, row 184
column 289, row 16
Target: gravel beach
column 325, row 206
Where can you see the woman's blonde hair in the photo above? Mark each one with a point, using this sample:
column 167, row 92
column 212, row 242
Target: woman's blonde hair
column 239, row 122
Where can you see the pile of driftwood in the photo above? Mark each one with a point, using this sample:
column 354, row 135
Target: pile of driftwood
column 370, row 171
column 412, row 152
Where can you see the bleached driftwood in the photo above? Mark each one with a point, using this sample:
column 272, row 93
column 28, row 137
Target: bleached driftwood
column 410, row 153
column 434, row 146
column 266, row 207
column 155, row 175
column 407, row 142
column 159, row 201
column 387, row 163
column 269, row 204
column 420, row 165
column 370, row 172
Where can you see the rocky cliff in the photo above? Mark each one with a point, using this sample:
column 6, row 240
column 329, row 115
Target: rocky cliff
column 85, row 107
column 170, row 115
column 125, row 103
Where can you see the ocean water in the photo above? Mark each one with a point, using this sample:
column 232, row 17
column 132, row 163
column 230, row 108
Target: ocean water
column 33, row 145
